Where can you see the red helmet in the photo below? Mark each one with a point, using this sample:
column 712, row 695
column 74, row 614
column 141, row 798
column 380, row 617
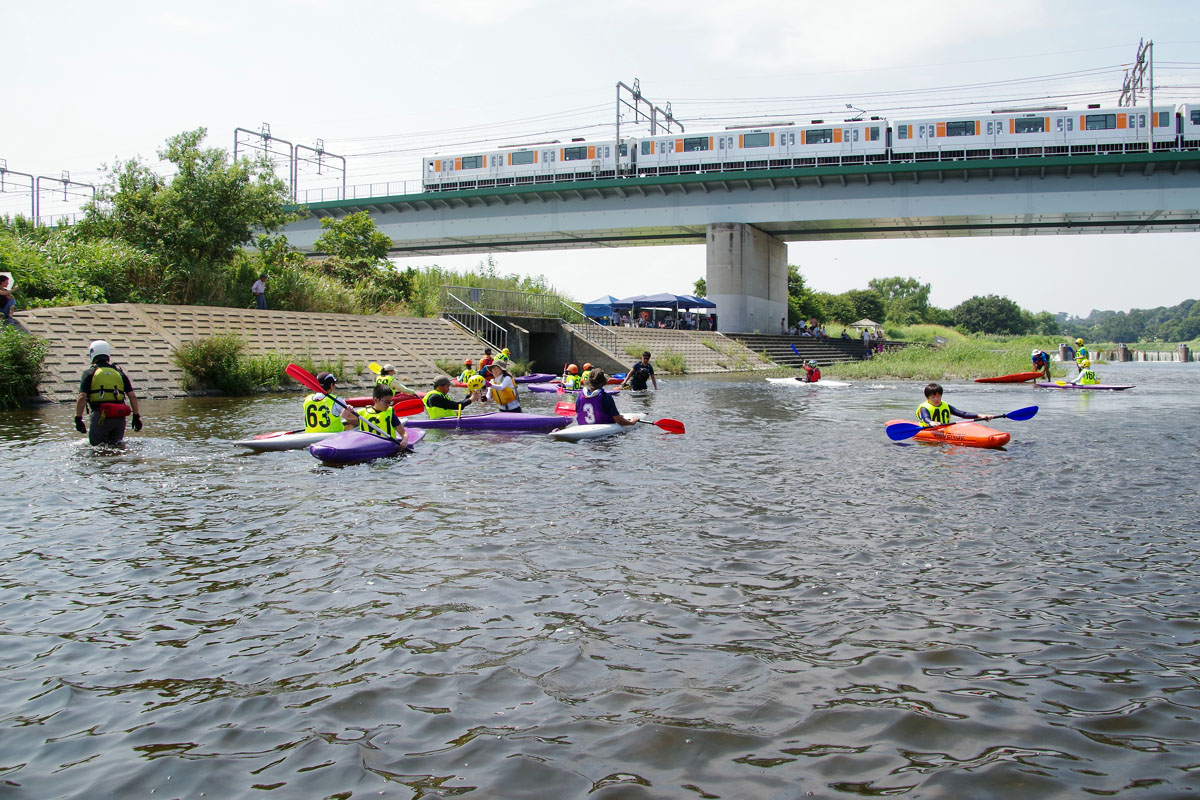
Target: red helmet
column 573, row 369
column 467, row 362
column 586, row 367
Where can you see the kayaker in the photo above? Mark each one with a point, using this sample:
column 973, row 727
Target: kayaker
column 320, row 412
column 438, row 403
column 380, row 413
column 639, row 373
column 1041, row 362
column 812, row 373
column 935, row 412
column 504, row 357
column 571, row 379
column 386, row 376
column 1086, row 376
column 1081, row 354
column 503, row 389
column 596, row 406
column 467, row 372
column 486, row 361
column 103, row 389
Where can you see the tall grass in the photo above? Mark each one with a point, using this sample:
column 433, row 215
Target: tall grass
column 219, row 363
column 21, row 357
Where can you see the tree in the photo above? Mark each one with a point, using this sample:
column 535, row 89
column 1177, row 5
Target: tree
column 905, row 300
column 867, row 304
column 194, row 222
column 700, row 287
column 802, row 302
column 355, row 239
column 990, row 314
column 836, row 308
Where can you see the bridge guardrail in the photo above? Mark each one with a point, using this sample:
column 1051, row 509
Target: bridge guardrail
column 507, row 302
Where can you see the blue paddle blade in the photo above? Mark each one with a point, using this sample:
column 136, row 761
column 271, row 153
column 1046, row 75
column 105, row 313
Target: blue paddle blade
column 794, row 350
column 902, row 430
column 1022, row 414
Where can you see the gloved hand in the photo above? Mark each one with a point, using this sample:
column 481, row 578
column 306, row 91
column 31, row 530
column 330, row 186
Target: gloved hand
column 137, row 422
column 79, row 426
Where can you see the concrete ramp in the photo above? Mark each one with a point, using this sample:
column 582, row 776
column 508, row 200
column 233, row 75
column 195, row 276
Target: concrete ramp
column 143, row 337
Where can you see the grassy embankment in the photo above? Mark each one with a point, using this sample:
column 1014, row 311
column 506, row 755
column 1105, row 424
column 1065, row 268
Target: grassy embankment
column 960, row 358
column 21, row 357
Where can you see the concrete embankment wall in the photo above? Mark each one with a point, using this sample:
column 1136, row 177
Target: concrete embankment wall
column 143, row 336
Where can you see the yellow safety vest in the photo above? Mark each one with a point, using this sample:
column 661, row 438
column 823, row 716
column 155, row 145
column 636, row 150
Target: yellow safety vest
column 503, row 395
column 433, row 411
column 386, row 380
column 383, row 420
column 1087, row 377
column 320, row 416
column 940, row 414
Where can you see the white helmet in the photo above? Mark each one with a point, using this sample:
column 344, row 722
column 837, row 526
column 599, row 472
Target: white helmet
column 1035, row 352
column 98, row 348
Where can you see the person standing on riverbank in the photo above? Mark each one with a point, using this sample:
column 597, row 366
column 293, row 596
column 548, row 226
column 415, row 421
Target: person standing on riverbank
column 7, row 304
column 103, row 389
column 639, row 373
column 259, row 288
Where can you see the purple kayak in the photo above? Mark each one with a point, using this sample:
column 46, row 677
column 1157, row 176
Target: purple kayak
column 350, row 446
column 1063, row 385
column 495, row 421
column 554, row 387
column 537, row 377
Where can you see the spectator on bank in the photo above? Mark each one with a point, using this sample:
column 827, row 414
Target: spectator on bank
column 7, row 304
column 259, row 288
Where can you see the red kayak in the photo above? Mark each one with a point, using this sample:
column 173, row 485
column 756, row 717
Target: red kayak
column 399, row 397
column 967, row 434
column 1016, row 377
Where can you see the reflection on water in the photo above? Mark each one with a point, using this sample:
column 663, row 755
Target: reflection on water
column 780, row 603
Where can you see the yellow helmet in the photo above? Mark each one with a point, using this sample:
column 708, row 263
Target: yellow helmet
column 505, row 351
column 1079, row 341
column 1085, row 363
column 475, row 383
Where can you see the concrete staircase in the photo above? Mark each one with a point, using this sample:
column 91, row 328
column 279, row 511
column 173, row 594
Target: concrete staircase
column 143, row 336
column 778, row 348
column 704, row 352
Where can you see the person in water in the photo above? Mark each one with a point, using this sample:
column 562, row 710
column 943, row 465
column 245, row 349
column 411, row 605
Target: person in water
column 571, row 379
column 1086, row 376
column 1081, row 354
column 467, row 373
column 503, row 389
column 104, row 389
column 936, row 412
column 1041, row 362
column 594, row 406
column 504, row 358
column 320, row 411
column 379, row 414
column 386, row 376
column 438, row 403
column 639, row 373
column 812, row 372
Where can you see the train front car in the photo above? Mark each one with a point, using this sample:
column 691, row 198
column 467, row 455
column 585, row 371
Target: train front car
column 521, row 165
column 1189, row 126
column 1048, row 132
column 774, row 147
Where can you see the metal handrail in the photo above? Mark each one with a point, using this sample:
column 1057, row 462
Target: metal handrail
column 506, row 302
column 475, row 323
column 591, row 330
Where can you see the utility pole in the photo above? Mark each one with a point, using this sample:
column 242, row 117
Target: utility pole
column 4, row 170
column 635, row 103
column 265, row 136
column 1137, row 79
column 65, row 180
column 321, row 153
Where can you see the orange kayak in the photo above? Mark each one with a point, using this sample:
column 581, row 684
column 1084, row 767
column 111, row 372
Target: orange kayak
column 1016, row 377
column 967, row 434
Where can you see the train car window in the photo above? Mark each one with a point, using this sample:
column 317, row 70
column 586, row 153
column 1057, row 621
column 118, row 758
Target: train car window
column 903, row 131
column 1100, row 122
column 575, row 153
column 756, row 140
column 1070, row 123
column 960, row 128
column 989, row 128
column 819, row 136
column 624, row 151
column 1196, row 116
column 720, row 142
column 1058, row 124
column 645, row 148
column 1141, row 120
column 472, row 162
column 921, row 132
column 1164, row 119
column 695, row 143
column 1030, row 125
column 855, row 137
column 523, row 157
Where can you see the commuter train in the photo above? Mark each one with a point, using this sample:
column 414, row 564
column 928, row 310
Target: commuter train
column 1005, row 134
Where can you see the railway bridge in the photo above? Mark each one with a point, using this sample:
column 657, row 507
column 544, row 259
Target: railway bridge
column 745, row 217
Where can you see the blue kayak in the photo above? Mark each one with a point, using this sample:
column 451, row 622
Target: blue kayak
column 350, row 446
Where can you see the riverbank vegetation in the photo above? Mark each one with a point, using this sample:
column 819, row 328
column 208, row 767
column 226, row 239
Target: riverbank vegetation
column 220, row 364
column 21, row 357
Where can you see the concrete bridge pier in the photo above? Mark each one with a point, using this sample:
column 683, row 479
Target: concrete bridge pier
column 746, row 277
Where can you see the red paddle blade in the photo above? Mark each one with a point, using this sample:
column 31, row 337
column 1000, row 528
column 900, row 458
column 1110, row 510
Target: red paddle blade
column 273, row 434
column 565, row 409
column 408, row 408
column 670, row 425
column 303, row 376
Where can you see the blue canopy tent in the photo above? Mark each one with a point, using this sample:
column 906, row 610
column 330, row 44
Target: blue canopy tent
column 600, row 308
column 664, row 300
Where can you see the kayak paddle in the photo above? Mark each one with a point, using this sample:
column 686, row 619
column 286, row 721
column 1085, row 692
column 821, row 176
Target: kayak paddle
column 306, row 378
column 907, row 430
column 668, row 425
column 273, row 434
column 565, row 409
column 797, row 352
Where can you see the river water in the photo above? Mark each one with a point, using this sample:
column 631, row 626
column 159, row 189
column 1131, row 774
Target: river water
column 780, row 603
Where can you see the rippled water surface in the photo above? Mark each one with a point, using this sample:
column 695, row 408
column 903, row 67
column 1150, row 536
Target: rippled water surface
column 779, row 604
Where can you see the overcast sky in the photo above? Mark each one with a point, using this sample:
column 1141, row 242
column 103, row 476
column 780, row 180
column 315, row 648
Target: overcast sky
column 87, row 83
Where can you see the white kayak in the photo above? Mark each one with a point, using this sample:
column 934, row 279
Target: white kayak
column 795, row 382
column 576, row 433
column 283, row 440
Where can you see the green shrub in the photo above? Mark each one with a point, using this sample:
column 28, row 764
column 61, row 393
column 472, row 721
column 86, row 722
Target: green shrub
column 21, row 357
column 671, row 362
column 218, row 363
